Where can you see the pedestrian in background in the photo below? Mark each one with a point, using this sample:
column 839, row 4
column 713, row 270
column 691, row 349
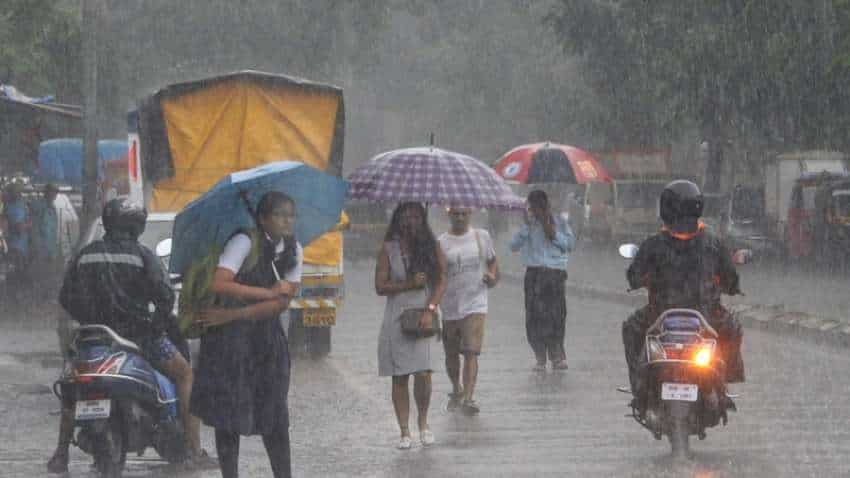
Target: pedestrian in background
column 545, row 241
column 471, row 270
column 410, row 273
column 18, row 231
column 47, row 262
column 69, row 225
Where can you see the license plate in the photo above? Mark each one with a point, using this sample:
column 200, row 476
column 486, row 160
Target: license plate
column 319, row 317
column 92, row 409
column 686, row 392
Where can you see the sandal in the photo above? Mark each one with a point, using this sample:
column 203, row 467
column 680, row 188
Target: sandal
column 58, row 463
column 427, row 437
column 199, row 460
column 404, row 443
column 470, row 407
column 455, row 401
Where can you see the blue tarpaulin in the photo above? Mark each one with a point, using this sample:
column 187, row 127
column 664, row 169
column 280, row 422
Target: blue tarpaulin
column 61, row 160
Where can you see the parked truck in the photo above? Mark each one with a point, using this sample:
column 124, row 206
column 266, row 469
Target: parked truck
column 791, row 184
column 627, row 208
column 186, row 137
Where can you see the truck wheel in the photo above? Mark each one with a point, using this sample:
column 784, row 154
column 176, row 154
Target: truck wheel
column 318, row 342
column 313, row 342
column 296, row 335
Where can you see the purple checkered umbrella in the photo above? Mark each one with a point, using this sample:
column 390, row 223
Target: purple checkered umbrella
column 433, row 176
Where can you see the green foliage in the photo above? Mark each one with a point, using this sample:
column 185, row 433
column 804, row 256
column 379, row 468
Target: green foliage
column 743, row 68
column 40, row 47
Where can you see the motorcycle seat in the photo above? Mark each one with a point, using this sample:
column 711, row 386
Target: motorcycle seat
column 126, row 345
column 100, row 333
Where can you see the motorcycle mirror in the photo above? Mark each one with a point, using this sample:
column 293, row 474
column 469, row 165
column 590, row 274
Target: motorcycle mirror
column 742, row 256
column 163, row 248
column 629, row 251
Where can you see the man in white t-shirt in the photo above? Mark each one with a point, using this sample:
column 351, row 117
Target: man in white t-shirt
column 472, row 270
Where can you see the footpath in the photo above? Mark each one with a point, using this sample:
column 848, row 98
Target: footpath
column 781, row 298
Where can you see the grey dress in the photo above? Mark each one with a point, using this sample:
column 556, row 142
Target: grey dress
column 400, row 354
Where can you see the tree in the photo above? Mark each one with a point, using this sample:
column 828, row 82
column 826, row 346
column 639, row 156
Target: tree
column 40, row 47
column 744, row 70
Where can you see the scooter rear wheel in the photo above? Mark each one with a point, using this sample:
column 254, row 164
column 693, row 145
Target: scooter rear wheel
column 110, row 448
column 679, row 429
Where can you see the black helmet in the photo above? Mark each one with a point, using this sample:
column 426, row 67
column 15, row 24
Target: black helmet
column 681, row 205
column 124, row 218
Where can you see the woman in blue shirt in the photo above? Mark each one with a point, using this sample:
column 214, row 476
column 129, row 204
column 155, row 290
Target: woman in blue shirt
column 545, row 242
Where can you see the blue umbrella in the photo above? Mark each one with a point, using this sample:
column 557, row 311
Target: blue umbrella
column 213, row 218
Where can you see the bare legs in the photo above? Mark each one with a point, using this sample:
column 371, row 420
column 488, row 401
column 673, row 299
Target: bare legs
column 401, row 400
column 470, row 373
column 179, row 370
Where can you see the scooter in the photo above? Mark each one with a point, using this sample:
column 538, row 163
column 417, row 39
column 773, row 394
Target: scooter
column 682, row 389
column 121, row 403
column 683, row 385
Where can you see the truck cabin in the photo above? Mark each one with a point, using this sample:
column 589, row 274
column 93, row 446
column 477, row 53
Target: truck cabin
column 838, row 211
column 803, row 212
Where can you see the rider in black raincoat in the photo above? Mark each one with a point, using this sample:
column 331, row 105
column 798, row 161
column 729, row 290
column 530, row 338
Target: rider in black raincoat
column 113, row 282
column 683, row 266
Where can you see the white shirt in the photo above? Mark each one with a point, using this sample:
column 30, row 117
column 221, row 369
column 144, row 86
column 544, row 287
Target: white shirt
column 239, row 246
column 68, row 224
column 466, row 292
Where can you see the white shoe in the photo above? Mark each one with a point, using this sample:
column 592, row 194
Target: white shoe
column 427, row 437
column 404, row 443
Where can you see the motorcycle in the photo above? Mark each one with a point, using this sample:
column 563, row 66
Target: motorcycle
column 683, row 385
column 121, row 403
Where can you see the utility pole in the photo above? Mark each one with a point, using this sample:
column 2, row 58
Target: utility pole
column 89, row 25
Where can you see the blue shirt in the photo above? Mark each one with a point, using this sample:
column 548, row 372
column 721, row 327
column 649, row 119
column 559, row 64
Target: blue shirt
column 536, row 250
column 17, row 213
column 46, row 229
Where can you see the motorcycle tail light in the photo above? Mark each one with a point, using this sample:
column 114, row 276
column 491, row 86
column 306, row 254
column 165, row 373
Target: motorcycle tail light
column 703, row 357
column 704, row 354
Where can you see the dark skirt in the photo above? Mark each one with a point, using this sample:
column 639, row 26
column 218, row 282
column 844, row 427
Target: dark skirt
column 545, row 312
column 242, row 378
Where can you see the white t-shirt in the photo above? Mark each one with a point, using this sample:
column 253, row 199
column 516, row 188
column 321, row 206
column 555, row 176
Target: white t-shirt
column 238, row 248
column 466, row 292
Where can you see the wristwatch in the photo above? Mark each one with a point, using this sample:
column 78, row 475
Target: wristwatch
column 432, row 307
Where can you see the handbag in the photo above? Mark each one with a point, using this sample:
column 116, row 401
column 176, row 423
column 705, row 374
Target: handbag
column 410, row 323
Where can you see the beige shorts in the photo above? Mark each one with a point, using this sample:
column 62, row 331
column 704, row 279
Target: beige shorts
column 465, row 335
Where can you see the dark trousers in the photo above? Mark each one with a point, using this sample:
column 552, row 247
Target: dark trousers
column 277, row 448
column 545, row 312
column 730, row 337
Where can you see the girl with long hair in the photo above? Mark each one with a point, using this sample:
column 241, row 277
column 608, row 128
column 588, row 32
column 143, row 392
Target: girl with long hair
column 410, row 273
column 545, row 242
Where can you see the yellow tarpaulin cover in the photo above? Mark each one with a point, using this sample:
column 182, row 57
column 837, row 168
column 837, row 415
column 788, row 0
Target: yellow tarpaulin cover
column 237, row 124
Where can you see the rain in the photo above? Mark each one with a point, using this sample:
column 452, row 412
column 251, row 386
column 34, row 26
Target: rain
column 326, row 186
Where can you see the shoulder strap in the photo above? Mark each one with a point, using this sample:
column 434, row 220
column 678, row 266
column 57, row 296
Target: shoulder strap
column 481, row 256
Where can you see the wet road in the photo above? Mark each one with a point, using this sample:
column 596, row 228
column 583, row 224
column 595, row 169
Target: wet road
column 792, row 421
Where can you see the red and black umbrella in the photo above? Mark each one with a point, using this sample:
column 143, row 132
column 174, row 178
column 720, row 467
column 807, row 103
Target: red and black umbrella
column 550, row 163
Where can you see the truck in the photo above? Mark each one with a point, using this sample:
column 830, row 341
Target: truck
column 832, row 222
column 627, row 208
column 185, row 137
column 791, row 183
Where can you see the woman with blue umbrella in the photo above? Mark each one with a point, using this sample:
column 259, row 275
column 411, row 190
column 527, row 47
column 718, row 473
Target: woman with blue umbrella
column 242, row 379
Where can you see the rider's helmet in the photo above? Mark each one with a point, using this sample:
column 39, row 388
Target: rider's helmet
column 124, row 218
column 680, row 206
